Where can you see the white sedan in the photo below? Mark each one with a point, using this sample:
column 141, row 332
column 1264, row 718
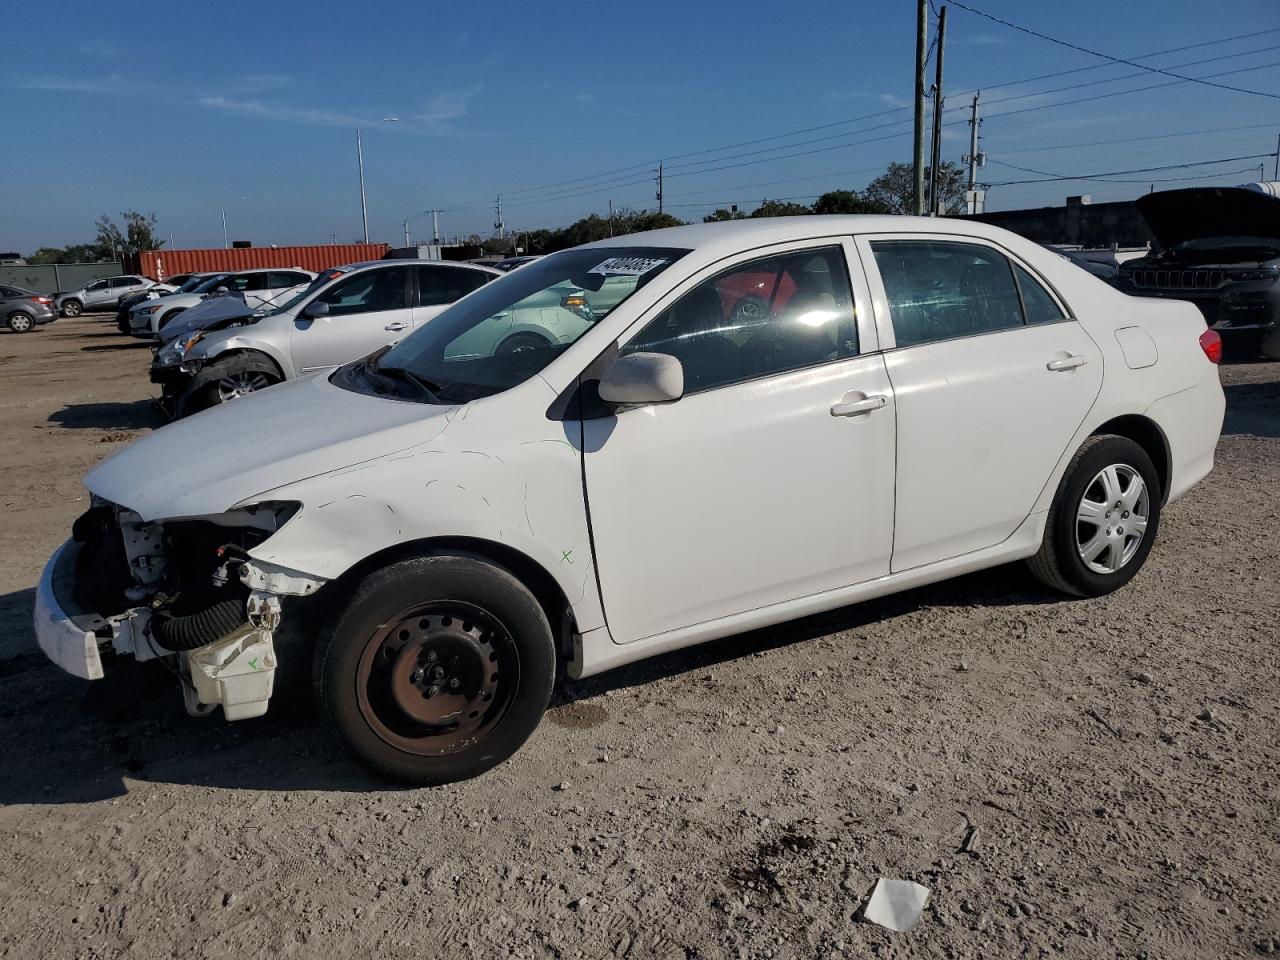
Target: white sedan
column 780, row 417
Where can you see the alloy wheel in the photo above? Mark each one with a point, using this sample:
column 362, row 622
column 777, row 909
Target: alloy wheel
column 241, row 384
column 1111, row 518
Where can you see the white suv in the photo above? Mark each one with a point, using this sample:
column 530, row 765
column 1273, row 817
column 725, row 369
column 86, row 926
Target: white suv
column 782, row 417
column 264, row 288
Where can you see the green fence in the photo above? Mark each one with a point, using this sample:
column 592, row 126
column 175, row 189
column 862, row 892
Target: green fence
column 54, row 277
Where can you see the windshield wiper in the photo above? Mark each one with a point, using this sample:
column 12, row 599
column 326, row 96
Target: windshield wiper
column 426, row 387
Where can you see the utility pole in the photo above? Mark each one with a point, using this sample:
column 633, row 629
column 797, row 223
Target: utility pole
column 497, row 223
column 659, row 188
column 935, row 160
column 364, row 211
column 917, row 149
column 974, row 159
column 225, row 244
column 1277, row 156
column 611, row 216
column 435, row 227
column 406, row 234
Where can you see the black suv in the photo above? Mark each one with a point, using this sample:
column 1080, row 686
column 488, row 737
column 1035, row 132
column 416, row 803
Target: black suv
column 1218, row 247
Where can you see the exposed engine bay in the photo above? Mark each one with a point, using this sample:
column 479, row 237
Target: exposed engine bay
column 188, row 592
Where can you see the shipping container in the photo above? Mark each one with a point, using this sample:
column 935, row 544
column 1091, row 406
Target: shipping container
column 165, row 263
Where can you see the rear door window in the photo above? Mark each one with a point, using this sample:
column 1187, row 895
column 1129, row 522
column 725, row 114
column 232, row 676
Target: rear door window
column 441, row 285
column 942, row 290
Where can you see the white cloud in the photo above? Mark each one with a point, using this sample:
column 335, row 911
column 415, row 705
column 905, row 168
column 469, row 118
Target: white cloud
column 892, row 100
column 110, row 84
column 283, row 113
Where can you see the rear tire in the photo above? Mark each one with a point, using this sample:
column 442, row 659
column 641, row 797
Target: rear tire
column 438, row 669
column 1103, row 521
column 20, row 322
column 72, row 308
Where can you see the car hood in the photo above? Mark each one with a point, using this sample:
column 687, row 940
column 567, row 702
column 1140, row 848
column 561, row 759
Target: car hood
column 231, row 453
column 1176, row 216
column 206, row 314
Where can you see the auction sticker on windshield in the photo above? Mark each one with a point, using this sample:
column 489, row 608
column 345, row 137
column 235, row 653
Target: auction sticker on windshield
column 626, row 266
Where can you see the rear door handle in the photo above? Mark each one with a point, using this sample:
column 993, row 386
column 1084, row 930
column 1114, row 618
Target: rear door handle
column 853, row 408
column 396, row 326
column 1066, row 363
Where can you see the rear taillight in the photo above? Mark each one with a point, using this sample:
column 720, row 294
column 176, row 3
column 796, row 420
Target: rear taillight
column 1211, row 344
column 41, row 300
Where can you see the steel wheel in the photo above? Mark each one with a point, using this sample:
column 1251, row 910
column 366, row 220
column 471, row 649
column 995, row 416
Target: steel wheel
column 432, row 680
column 241, row 384
column 19, row 322
column 1111, row 518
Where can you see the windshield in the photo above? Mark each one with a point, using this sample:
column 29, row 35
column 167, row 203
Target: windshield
column 191, row 284
column 510, row 329
column 209, row 283
column 312, row 287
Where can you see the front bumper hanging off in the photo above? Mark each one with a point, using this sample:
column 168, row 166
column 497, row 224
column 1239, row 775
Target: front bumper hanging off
column 236, row 671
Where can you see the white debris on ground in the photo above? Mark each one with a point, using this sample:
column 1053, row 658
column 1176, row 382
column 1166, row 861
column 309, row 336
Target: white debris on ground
column 896, row 904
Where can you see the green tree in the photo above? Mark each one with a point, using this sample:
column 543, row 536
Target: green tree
column 722, row 214
column 891, row 191
column 139, row 234
column 780, row 208
column 843, row 201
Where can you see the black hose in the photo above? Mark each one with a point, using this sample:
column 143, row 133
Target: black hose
column 188, row 631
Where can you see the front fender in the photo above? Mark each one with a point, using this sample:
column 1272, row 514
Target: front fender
column 238, row 340
column 482, row 478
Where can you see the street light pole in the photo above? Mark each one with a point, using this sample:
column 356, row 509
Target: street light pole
column 364, row 210
column 225, row 244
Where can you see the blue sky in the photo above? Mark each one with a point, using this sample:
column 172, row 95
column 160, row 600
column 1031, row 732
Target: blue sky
column 177, row 108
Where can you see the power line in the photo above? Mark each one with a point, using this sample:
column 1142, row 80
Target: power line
column 1160, row 136
column 1051, row 178
column 1105, row 56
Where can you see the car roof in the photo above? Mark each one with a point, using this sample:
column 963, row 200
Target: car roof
column 729, row 236
column 396, row 262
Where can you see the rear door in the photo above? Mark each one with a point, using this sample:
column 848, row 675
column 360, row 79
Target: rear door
column 992, row 378
column 367, row 310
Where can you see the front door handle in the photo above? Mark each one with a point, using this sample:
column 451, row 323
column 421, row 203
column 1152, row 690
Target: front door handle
column 396, row 326
column 1066, row 363
column 853, row 408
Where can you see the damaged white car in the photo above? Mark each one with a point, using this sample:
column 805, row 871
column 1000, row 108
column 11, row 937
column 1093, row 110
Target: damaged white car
column 772, row 418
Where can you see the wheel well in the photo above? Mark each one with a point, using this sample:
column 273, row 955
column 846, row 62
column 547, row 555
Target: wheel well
column 249, row 352
column 1146, row 434
column 524, row 568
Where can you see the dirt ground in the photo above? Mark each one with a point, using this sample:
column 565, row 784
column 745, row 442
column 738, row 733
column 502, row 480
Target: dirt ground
column 1119, row 758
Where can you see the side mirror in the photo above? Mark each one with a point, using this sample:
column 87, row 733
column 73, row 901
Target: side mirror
column 316, row 309
column 643, row 378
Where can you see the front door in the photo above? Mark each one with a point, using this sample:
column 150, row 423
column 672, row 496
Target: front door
column 367, row 310
column 992, row 377
column 771, row 479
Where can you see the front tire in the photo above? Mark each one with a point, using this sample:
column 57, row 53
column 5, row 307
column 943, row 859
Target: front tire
column 72, row 308
column 19, row 322
column 227, row 379
column 1103, row 521
column 438, row 669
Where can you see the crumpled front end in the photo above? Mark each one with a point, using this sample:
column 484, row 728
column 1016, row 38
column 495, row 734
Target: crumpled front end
column 185, row 591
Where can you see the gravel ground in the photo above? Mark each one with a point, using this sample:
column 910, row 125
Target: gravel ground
column 1119, row 758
